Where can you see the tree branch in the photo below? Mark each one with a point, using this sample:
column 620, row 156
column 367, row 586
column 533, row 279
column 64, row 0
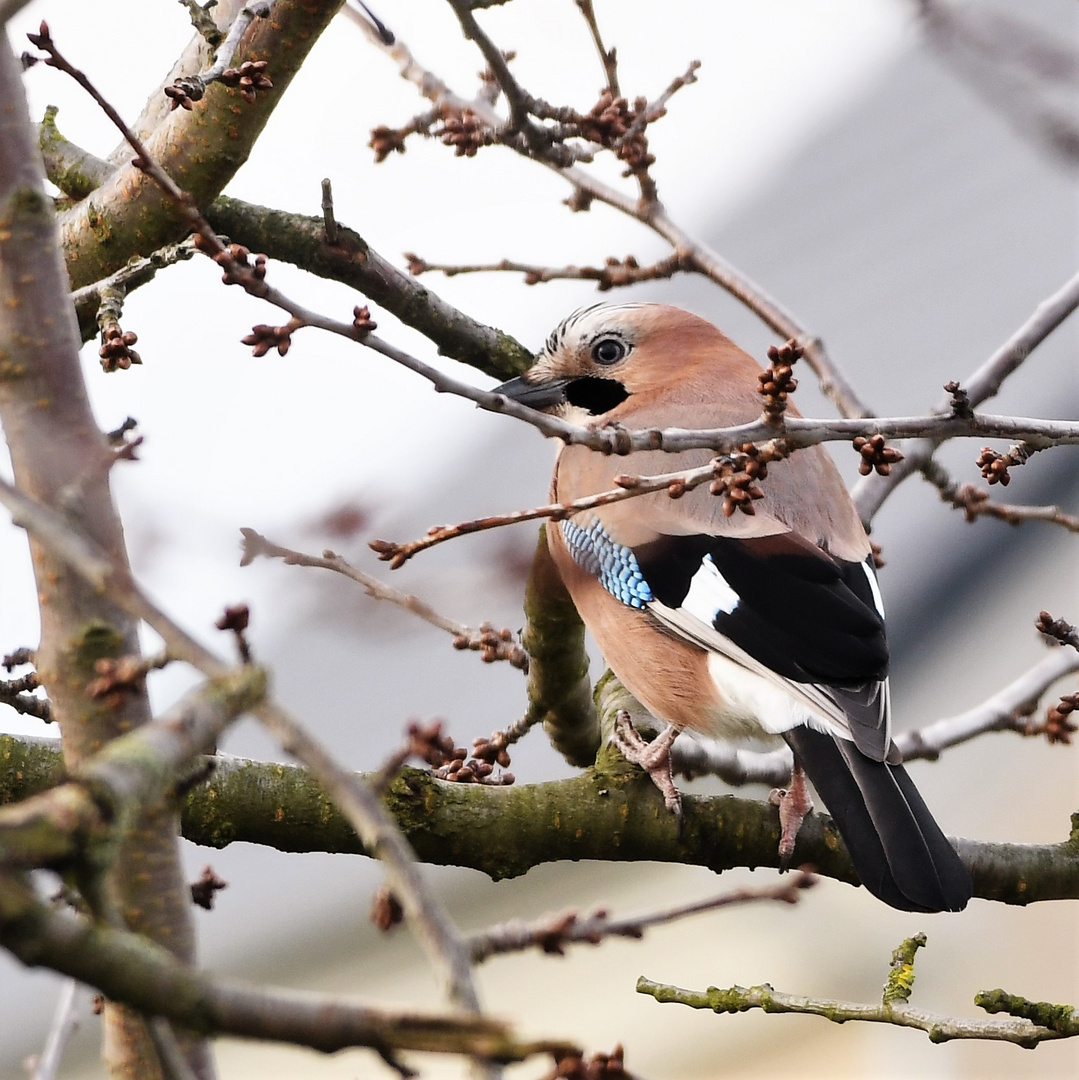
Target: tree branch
column 893, row 1009
column 614, row 816
column 128, row 215
column 128, row 968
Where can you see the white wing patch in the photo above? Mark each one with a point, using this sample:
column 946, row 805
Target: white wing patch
column 709, row 593
column 874, row 588
column 755, row 697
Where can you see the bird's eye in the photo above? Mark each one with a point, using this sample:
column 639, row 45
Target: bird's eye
column 609, row 350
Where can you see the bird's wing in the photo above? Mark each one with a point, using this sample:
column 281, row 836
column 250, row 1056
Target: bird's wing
column 778, row 606
column 783, row 609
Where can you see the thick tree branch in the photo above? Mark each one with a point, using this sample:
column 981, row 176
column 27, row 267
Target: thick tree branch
column 202, row 148
column 504, row 831
column 130, row 969
column 559, row 689
column 61, row 460
column 302, row 241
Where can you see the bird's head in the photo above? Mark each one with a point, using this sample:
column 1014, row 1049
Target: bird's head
column 602, row 355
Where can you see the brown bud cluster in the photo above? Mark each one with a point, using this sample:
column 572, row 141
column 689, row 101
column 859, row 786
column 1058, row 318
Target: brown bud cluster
column 960, row 402
column 395, row 554
column 1062, row 631
column 250, row 77
column 362, row 321
column 1059, row 724
column 184, row 92
column 206, row 888
column 877, row 455
column 480, row 769
column 386, row 140
column 263, row 338
column 416, row 265
column 493, row 644
column 236, row 262
column 464, row 131
column 614, row 123
column 736, row 476
column 116, row 352
column 994, row 467
column 236, row 619
column 428, row 743
column 607, row 121
column 573, row 1066
column 386, row 910
column 777, row 382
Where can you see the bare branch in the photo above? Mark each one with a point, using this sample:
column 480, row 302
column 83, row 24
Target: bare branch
column 426, row 914
column 997, row 713
column 613, row 274
column 975, row 502
column 686, row 247
column 249, row 77
column 869, row 494
column 493, row 644
column 65, row 1023
column 552, row 933
column 737, row 488
column 894, row 1008
column 608, row 58
column 130, row 969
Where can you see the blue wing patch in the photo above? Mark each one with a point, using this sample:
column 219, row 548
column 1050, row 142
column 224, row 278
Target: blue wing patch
column 613, row 564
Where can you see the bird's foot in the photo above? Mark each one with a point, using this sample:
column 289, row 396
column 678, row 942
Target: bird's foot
column 794, row 803
column 654, row 757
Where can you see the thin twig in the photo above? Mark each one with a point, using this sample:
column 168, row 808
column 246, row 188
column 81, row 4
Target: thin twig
column 493, row 644
column 614, row 273
column 327, row 212
column 631, row 487
column 607, row 57
column 996, row 713
column 975, row 502
column 833, row 383
column 553, row 932
column 65, row 1023
column 190, row 88
column 870, row 492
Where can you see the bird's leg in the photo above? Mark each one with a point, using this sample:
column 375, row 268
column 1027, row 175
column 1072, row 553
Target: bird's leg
column 794, row 803
column 654, row 757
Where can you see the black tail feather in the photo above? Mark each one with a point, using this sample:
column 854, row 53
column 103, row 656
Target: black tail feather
column 897, row 848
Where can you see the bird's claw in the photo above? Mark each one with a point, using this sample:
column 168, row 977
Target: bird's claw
column 653, row 757
column 794, row 804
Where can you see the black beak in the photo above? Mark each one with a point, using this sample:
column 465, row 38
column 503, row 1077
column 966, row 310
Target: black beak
column 534, row 395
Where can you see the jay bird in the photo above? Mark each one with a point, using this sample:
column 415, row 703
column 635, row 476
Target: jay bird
column 761, row 625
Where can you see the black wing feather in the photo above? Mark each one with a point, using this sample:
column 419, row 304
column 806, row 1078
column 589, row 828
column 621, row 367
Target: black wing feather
column 898, row 850
column 808, row 617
